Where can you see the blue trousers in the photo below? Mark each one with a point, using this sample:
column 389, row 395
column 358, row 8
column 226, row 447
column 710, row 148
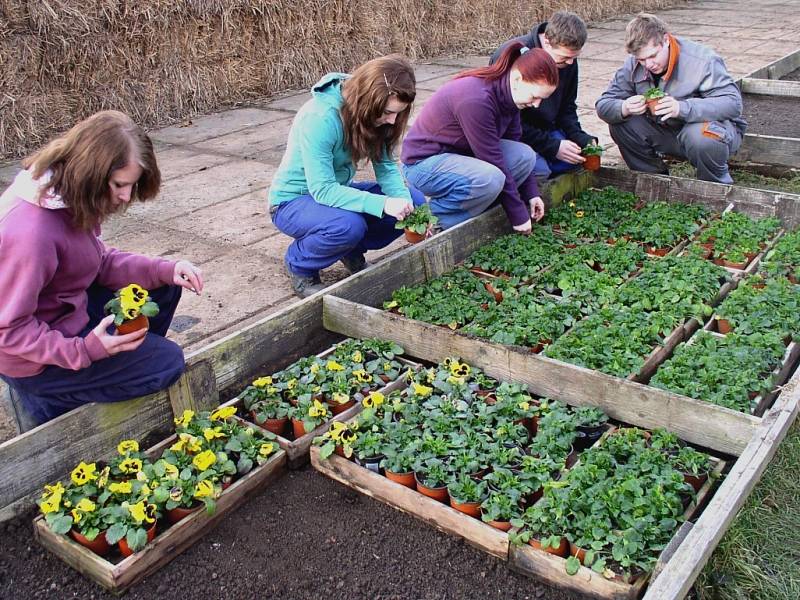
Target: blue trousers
column 153, row 366
column 546, row 167
column 324, row 234
column 461, row 187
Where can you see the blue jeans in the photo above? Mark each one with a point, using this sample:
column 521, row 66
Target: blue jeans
column 461, row 187
column 324, row 234
column 546, row 167
column 153, row 366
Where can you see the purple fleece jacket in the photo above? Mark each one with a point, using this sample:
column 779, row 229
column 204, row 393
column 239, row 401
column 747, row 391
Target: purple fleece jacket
column 46, row 266
column 469, row 116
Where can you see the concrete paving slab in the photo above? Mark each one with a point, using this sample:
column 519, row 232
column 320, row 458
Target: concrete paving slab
column 593, row 47
column 221, row 123
column 8, row 171
column 773, row 46
column 175, row 161
column 191, row 192
column 274, row 248
column 251, row 142
column 174, row 243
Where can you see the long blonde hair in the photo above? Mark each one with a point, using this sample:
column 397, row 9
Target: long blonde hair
column 82, row 160
column 366, row 94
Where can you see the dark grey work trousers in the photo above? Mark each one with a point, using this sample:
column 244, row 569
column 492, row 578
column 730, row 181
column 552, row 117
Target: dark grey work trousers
column 643, row 142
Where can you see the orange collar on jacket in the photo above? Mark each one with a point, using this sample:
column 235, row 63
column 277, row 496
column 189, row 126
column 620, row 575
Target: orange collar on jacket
column 674, row 52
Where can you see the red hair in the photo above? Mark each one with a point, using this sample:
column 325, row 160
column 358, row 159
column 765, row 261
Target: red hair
column 535, row 65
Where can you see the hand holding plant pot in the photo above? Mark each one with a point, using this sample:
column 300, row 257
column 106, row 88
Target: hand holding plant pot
column 131, row 306
column 419, row 224
column 652, row 97
column 592, row 152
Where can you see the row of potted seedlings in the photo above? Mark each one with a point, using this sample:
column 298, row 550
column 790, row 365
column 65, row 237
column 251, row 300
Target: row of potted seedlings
column 123, row 502
column 783, row 259
column 735, row 239
column 492, row 451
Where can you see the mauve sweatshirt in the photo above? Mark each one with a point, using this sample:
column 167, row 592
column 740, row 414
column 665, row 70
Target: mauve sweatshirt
column 46, row 266
column 469, row 116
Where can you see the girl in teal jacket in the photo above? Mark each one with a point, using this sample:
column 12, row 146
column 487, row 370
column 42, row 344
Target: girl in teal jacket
column 349, row 119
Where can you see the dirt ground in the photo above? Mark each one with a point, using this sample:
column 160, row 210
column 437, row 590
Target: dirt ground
column 305, row 537
column 771, row 115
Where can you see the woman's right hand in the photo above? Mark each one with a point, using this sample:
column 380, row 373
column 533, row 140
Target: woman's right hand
column 524, row 228
column 399, row 208
column 114, row 344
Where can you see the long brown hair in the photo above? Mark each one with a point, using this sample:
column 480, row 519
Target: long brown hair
column 535, row 65
column 366, row 94
column 81, row 161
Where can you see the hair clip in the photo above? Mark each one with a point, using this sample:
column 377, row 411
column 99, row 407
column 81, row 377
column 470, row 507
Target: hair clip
column 523, row 50
column 387, row 82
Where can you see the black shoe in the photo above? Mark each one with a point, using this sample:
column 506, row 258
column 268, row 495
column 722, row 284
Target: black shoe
column 354, row 264
column 305, row 286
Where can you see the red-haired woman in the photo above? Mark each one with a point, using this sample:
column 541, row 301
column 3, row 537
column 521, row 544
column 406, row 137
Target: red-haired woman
column 349, row 119
column 56, row 274
column 463, row 150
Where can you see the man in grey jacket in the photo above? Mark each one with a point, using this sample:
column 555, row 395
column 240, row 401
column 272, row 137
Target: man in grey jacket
column 699, row 118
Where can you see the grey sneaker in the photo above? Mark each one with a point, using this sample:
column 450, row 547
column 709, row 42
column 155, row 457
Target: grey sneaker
column 354, row 264
column 304, row 286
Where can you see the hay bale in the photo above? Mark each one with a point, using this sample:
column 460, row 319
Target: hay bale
column 161, row 61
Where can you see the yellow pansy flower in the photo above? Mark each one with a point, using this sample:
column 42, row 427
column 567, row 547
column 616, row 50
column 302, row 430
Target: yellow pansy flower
column 314, row 369
column 387, row 366
column 262, row 382
column 423, row 391
column 340, row 398
column 186, row 443
column 459, row 369
column 213, row 434
column 579, row 214
column 130, row 465
column 292, row 383
column 266, row 449
column 572, row 205
column 170, row 471
column 222, row 414
column 335, row 430
column 317, row 409
column 185, row 418
column 140, row 512
column 204, row 460
column 53, row 490
column 374, row 400
column 453, row 380
column 145, row 491
column 524, row 405
column 102, row 479
column 362, row 376
column 332, row 365
column 204, row 489
column 121, row 487
column 84, row 473
column 52, row 504
column 127, row 446
column 176, row 494
column 134, row 292
column 141, row 476
column 86, row 505
column 357, row 356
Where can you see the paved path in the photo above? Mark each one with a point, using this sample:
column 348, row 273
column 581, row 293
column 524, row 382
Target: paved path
column 217, row 168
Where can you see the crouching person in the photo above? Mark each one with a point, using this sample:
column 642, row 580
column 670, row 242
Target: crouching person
column 699, row 117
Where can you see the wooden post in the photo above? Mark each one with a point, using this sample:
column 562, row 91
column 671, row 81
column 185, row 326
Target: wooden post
column 195, row 390
column 771, row 87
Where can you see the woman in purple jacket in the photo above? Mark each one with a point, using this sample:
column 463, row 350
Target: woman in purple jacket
column 56, row 274
column 463, row 150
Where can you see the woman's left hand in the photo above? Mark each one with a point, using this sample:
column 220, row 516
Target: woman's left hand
column 537, row 208
column 188, row 276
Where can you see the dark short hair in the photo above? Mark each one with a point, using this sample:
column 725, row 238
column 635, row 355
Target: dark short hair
column 566, row 29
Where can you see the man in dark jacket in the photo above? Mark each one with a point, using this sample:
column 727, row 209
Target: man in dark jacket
column 553, row 129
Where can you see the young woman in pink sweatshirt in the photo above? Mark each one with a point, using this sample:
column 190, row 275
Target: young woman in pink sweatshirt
column 57, row 348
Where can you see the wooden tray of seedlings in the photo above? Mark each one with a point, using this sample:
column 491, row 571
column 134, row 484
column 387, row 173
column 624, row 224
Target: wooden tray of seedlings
column 297, row 446
column 117, row 573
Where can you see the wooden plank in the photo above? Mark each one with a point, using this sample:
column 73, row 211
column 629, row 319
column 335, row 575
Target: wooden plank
column 695, row 421
column 675, row 581
column 770, row 150
column 196, row 389
column 166, row 546
column 439, row 515
column 770, row 87
column 778, row 68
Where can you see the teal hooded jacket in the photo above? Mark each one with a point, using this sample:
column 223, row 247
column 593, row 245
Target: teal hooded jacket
column 316, row 161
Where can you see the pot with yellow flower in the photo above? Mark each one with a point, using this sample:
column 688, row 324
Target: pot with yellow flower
column 340, row 390
column 131, row 307
column 339, row 439
column 132, row 525
column 308, row 415
column 128, row 461
column 195, row 485
column 266, row 405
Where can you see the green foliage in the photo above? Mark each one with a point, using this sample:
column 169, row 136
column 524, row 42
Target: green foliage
column 784, row 258
column 591, row 149
column 654, row 93
column 419, row 221
column 736, row 237
column 759, row 306
column 662, row 224
column 519, row 256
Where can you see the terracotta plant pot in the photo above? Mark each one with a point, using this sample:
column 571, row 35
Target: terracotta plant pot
column 298, row 428
column 651, row 105
column 437, row 493
column 792, row 279
column 98, row 545
column 577, row 552
column 123, row 544
column 140, row 322
column 724, row 326
column 592, row 163
column 406, row 479
column 473, row 509
column 501, row 525
column 276, row 426
column 654, row 251
column 561, row 550
column 339, row 451
column 413, row 237
column 181, row 512
column 338, row 409
column 739, row 266
column 498, row 296
column 696, row 481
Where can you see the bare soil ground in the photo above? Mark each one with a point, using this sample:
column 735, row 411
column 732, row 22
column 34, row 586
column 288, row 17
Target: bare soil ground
column 772, row 115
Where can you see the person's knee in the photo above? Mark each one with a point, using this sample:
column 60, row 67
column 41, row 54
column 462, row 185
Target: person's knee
column 347, row 229
column 168, row 362
column 417, row 197
column 488, row 182
column 698, row 146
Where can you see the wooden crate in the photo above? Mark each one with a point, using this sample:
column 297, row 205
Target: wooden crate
column 120, row 575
